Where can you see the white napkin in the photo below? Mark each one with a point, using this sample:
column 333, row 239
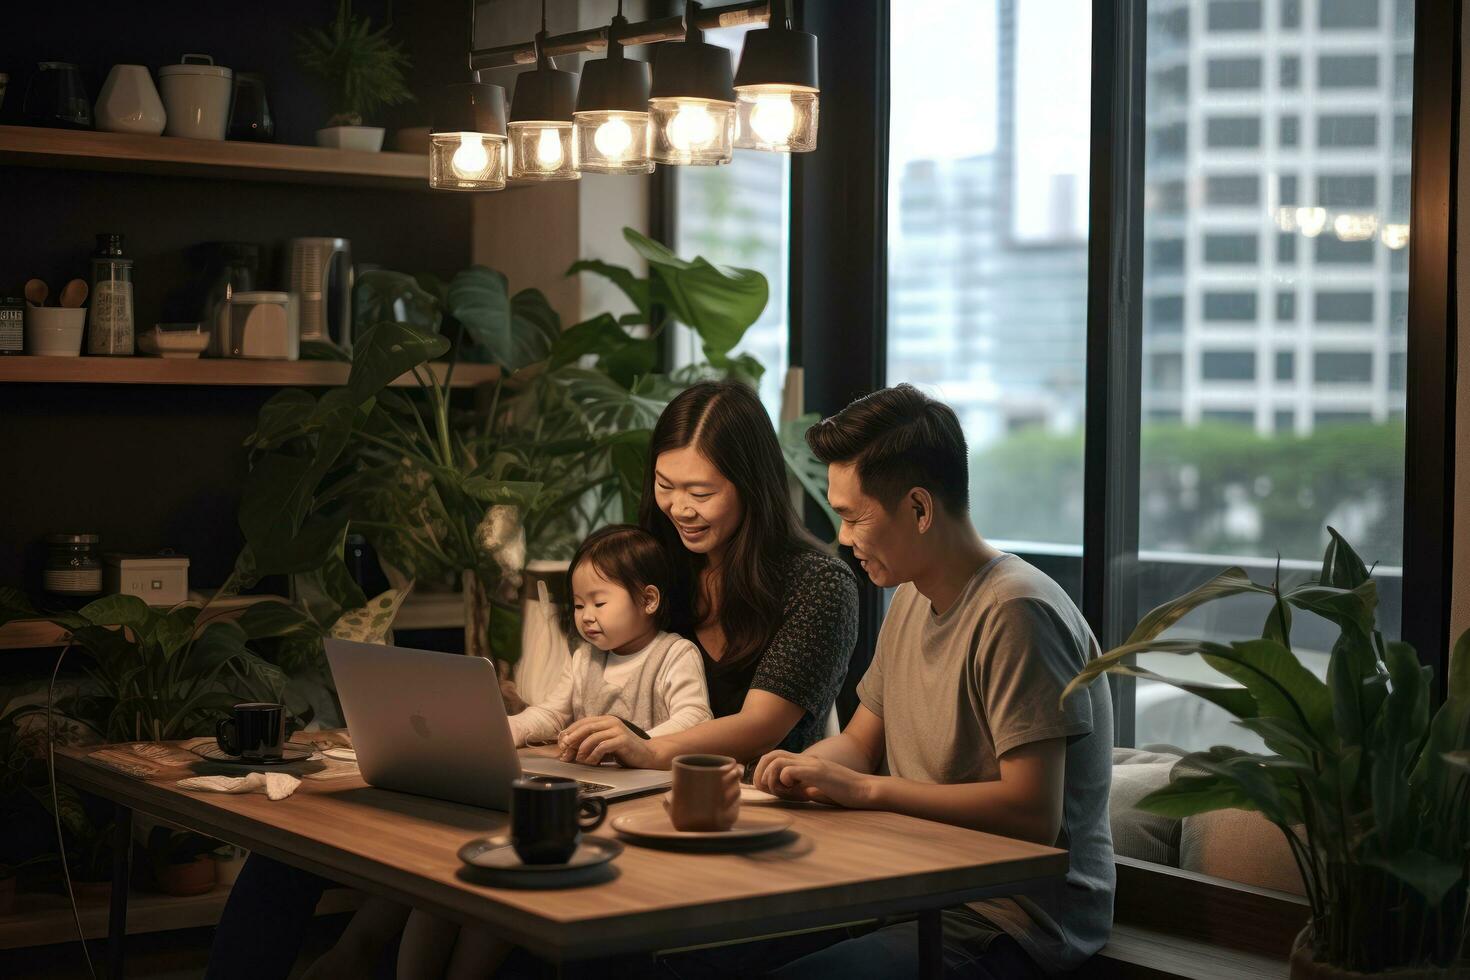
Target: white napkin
column 276, row 785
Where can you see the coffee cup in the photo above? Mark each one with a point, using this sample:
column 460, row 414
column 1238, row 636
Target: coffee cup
column 706, row 795
column 255, row 731
column 548, row 815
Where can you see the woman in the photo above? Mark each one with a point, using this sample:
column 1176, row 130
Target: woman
column 775, row 620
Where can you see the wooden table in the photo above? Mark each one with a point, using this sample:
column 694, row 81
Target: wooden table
column 841, row 866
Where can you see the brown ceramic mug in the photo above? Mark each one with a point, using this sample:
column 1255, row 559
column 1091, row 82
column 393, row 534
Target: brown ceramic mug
column 706, row 793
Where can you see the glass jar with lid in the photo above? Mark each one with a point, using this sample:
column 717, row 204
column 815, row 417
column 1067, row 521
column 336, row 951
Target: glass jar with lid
column 73, row 565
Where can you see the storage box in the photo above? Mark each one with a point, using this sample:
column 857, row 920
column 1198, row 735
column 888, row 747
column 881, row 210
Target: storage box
column 159, row 580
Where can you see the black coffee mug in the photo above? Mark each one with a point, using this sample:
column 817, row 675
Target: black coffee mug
column 257, row 731
column 56, row 97
column 546, row 818
column 250, row 113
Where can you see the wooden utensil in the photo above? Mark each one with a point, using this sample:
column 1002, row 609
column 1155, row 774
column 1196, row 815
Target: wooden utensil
column 74, row 293
column 36, row 292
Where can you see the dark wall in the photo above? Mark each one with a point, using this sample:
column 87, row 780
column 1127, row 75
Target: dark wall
column 151, row 467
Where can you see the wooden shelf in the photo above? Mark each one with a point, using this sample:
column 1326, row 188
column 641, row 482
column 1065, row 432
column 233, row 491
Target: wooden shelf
column 45, row 919
column 31, row 146
column 420, row 611
column 207, row 371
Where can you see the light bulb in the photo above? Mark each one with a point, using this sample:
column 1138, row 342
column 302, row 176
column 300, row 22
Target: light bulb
column 470, row 160
column 549, row 153
column 1311, row 221
column 613, row 138
column 692, row 127
column 773, row 118
column 1355, row 227
column 1395, row 236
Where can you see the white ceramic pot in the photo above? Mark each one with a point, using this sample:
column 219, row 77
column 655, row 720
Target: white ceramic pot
column 196, row 95
column 368, row 139
column 129, row 103
column 55, row 331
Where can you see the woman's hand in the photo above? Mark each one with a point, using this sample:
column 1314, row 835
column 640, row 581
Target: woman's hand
column 808, row 777
column 591, row 740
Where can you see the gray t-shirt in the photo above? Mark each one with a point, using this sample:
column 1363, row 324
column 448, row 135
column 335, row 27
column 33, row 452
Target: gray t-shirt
column 958, row 691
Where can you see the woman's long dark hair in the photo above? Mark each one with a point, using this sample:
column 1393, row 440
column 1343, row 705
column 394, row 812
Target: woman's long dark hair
column 728, row 425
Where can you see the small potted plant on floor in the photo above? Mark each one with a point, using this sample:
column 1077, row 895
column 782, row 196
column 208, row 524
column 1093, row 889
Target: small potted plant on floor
column 182, row 862
column 1369, row 785
column 363, row 71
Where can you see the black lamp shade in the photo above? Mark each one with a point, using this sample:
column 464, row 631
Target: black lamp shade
column 544, row 94
column 613, row 84
column 778, row 57
column 692, row 70
column 471, row 107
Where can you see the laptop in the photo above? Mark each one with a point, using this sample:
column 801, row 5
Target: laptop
column 433, row 724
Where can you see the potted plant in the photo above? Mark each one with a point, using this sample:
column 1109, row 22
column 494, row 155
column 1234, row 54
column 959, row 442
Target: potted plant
column 1370, row 788
column 182, row 861
column 363, row 71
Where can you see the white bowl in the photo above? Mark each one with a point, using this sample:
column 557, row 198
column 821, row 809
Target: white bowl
column 55, row 331
column 174, row 343
column 368, row 139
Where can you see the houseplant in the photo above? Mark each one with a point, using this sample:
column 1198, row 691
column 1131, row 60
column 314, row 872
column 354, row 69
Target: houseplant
column 363, row 71
column 1370, row 790
column 462, row 496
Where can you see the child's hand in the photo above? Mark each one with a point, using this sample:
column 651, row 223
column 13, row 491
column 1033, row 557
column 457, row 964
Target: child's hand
column 591, row 740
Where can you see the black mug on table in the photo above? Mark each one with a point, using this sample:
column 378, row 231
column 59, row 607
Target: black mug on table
column 257, row 730
column 547, row 817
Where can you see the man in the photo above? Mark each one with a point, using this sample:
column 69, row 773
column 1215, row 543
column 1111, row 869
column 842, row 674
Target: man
column 962, row 700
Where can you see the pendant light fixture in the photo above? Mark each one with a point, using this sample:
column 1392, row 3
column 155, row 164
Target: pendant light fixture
column 692, row 105
column 541, row 119
column 467, row 148
column 610, row 126
column 777, row 87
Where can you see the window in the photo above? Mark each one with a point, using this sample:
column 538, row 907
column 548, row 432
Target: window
column 1166, row 371
column 1228, row 306
column 1347, row 71
column 1397, row 370
column 1285, row 366
column 1235, row 478
column 1166, row 254
column 1231, row 249
column 1170, row 142
column 1285, row 307
column 1232, row 131
column 1166, row 313
column 738, row 215
column 1236, row 191
column 1342, row 367
column 1002, row 148
column 1347, row 14
column 1289, row 130
column 1231, row 365
column 1346, row 131
column 1344, row 306
column 1234, row 15
column 1233, row 73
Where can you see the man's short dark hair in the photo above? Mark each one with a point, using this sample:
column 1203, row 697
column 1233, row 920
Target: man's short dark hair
column 899, row 438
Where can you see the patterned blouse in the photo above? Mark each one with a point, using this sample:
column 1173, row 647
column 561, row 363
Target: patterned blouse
column 807, row 659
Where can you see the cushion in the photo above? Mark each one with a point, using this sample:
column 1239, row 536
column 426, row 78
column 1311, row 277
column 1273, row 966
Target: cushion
column 1136, row 834
column 1239, row 845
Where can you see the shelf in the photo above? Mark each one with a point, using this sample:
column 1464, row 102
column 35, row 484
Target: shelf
column 45, row 919
column 31, row 146
column 207, row 371
column 420, row 611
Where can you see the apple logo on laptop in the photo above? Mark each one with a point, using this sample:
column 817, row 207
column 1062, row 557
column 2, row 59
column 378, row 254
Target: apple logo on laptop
column 420, row 724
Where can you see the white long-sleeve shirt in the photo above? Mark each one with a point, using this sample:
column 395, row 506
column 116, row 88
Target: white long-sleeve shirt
column 661, row 689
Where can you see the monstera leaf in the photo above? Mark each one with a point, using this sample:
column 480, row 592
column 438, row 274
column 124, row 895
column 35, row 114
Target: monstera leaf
column 512, row 331
column 718, row 304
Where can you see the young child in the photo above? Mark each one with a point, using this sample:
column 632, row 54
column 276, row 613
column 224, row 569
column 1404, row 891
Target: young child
column 628, row 667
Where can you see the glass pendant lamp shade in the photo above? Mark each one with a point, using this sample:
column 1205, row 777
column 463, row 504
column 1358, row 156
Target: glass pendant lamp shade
column 540, row 128
column 467, row 148
column 691, row 107
column 611, row 122
column 777, row 88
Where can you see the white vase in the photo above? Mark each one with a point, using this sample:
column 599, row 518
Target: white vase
column 129, row 102
column 368, row 139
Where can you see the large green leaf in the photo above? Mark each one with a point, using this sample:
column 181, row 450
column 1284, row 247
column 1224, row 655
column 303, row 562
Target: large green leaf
column 380, row 295
column 1281, row 686
column 1395, row 740
column 269, row 618
column 512, row 332
column 622, row 357
column 285, row 416
column 118, row 610
column 1428, row 874
column 803, row 464
column 628, row 456
column 718, row 304
column 1341, row 566
column 1232, row 581
column 385, row 351
column 608, row 406
column 637, row 290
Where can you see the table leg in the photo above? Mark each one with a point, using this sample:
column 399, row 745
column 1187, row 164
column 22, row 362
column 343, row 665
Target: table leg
column 117, row 919
column 931, row 944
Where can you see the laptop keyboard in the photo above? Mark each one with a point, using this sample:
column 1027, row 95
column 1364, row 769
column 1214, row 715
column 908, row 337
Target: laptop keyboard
column 585, row 787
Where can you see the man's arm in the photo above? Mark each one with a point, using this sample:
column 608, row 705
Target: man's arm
column 1025, row 802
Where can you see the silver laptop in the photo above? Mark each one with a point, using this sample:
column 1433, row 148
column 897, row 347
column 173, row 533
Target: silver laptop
column 434, row 724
